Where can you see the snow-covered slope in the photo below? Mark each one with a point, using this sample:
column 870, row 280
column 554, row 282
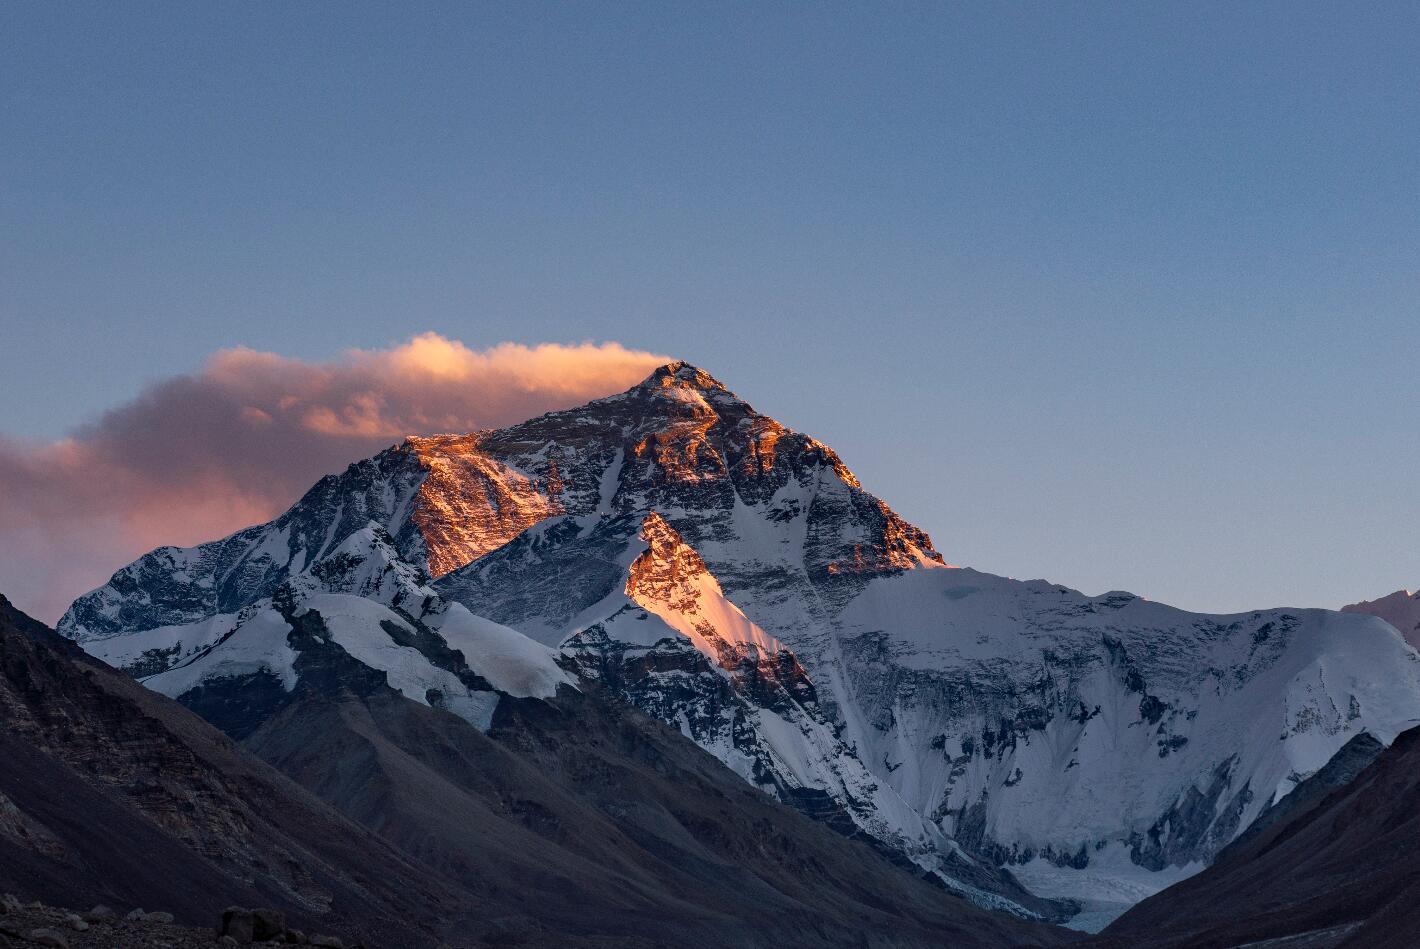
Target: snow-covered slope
column 1400, row 609
column 1064, row 723
column 1104, row 745
column 669, row 640
column 362, row 600
column 442, row 502
column 732, row 577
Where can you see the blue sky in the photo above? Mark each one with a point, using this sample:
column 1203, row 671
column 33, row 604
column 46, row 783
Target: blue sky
column 1120, row 295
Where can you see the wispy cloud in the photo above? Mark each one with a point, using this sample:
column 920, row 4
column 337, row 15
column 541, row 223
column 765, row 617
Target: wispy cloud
column 198, row 456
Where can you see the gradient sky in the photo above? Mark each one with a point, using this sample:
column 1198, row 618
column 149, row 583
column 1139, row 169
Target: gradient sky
column 1120, row 295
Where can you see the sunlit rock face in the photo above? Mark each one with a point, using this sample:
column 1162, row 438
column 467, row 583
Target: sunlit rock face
column 420, row 492
column 683, row 445
column 669, row 579
column 468, row 503
column 732, row 577
column 1400, row 609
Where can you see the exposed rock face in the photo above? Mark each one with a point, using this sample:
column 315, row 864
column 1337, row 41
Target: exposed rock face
column 444, row 502
column 964, row 720
column 469, row 503
column 361, row 600
column 678, row 440
column 669, row 579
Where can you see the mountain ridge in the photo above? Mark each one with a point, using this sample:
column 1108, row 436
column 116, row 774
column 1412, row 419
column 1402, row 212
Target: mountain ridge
column 1400, row 609
column 987, row 720
column 410, row 827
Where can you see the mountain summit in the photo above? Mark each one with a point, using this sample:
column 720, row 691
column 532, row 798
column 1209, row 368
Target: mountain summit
column 678, row 439
column 732, row 578
column 1400, row 609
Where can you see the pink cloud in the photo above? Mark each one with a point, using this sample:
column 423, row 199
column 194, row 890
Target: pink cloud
column 198, row 456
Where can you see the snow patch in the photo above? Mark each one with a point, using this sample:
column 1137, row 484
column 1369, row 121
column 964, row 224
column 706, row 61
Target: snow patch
column 510, row 661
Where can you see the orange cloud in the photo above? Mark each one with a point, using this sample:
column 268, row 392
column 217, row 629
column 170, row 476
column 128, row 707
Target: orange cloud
column 198, row 456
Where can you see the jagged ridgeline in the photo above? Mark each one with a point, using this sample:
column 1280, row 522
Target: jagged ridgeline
column 569, row 823
column 1033, row 748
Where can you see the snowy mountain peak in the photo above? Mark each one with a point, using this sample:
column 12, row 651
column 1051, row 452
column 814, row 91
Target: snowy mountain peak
column 1400, row 609
column 671, row 580
column 682, row 375
column 731, row 577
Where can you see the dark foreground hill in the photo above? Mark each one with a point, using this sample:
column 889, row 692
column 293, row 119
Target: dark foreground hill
column 112, row 794
column 570, row 823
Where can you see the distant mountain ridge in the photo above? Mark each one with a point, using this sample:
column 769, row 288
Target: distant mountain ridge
column 1400, row 609
column 732, row 578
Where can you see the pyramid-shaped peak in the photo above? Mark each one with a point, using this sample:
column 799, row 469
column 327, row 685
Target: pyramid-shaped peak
column 655, row 530
column 682, row 375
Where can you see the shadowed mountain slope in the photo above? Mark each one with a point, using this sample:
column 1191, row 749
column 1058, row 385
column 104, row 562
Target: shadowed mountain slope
column 111, row 793
column 626, row 833
column 571, row 823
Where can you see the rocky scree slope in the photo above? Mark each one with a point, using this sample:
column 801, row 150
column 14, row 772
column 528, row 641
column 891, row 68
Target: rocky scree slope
column 819, row 646
column 99, row 927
